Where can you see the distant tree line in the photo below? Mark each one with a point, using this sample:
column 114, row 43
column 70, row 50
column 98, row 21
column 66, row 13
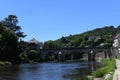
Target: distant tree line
column 95, row 38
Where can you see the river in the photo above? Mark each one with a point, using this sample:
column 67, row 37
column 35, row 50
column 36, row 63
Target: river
column 70, row 70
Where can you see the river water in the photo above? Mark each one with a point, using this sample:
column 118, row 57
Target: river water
column 70, row 70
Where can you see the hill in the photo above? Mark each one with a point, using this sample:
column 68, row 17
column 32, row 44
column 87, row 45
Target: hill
column 94, row 38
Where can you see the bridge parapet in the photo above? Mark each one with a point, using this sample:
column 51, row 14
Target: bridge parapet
column 107, row 52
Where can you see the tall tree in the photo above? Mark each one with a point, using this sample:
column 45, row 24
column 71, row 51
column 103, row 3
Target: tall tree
column 11, row 22
column 10, row 34
column 8, row 45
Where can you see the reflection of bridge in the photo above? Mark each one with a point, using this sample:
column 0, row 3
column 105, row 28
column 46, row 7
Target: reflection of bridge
column 77, row 53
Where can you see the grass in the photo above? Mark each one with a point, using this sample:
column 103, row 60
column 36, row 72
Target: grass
column 3, row 63
column 109, row 66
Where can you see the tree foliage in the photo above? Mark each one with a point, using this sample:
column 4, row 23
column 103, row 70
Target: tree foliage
column 10, row 33
column 11, row 22
column 8, row 45
column 102, row 36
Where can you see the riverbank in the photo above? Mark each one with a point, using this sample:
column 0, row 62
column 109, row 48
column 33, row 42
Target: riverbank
column 3, row 63
column 106, row 71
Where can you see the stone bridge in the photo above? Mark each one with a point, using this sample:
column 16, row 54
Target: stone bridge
column 91, row 53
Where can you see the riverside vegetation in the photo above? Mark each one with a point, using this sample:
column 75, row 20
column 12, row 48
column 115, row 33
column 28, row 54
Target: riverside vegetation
column 11, row 39
column 106, row 72
column 10, row 36
column 108, row 68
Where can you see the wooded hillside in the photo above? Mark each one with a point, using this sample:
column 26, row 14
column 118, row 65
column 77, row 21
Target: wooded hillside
column 94, row 38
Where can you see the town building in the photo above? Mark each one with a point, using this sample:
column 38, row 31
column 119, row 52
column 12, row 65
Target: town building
column 94, row 38
column 34, row 44
column 117, row 41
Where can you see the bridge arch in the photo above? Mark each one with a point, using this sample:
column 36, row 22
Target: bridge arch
column 75, row 53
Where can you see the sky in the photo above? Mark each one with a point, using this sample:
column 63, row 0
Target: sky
column 51, row 19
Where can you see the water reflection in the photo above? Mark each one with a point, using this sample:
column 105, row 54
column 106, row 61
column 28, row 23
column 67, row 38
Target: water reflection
column 48, row 71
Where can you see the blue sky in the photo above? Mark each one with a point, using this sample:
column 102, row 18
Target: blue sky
column 52, row 19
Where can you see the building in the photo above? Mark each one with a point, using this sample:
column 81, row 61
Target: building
column 34, row 44
column 94, row 38
column 117, row 44
column 117, row 41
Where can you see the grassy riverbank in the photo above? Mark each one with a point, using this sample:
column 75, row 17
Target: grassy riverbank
column 108, row 68
column 3, row 63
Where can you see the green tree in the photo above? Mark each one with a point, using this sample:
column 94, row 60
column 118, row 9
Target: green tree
column 23, row 56
column 49, row 44
column 64, row 40
column 85, row 37
column 11, row 23
column 10, row 33
column 83, row 44
column 75, row 43
column 8, row 46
